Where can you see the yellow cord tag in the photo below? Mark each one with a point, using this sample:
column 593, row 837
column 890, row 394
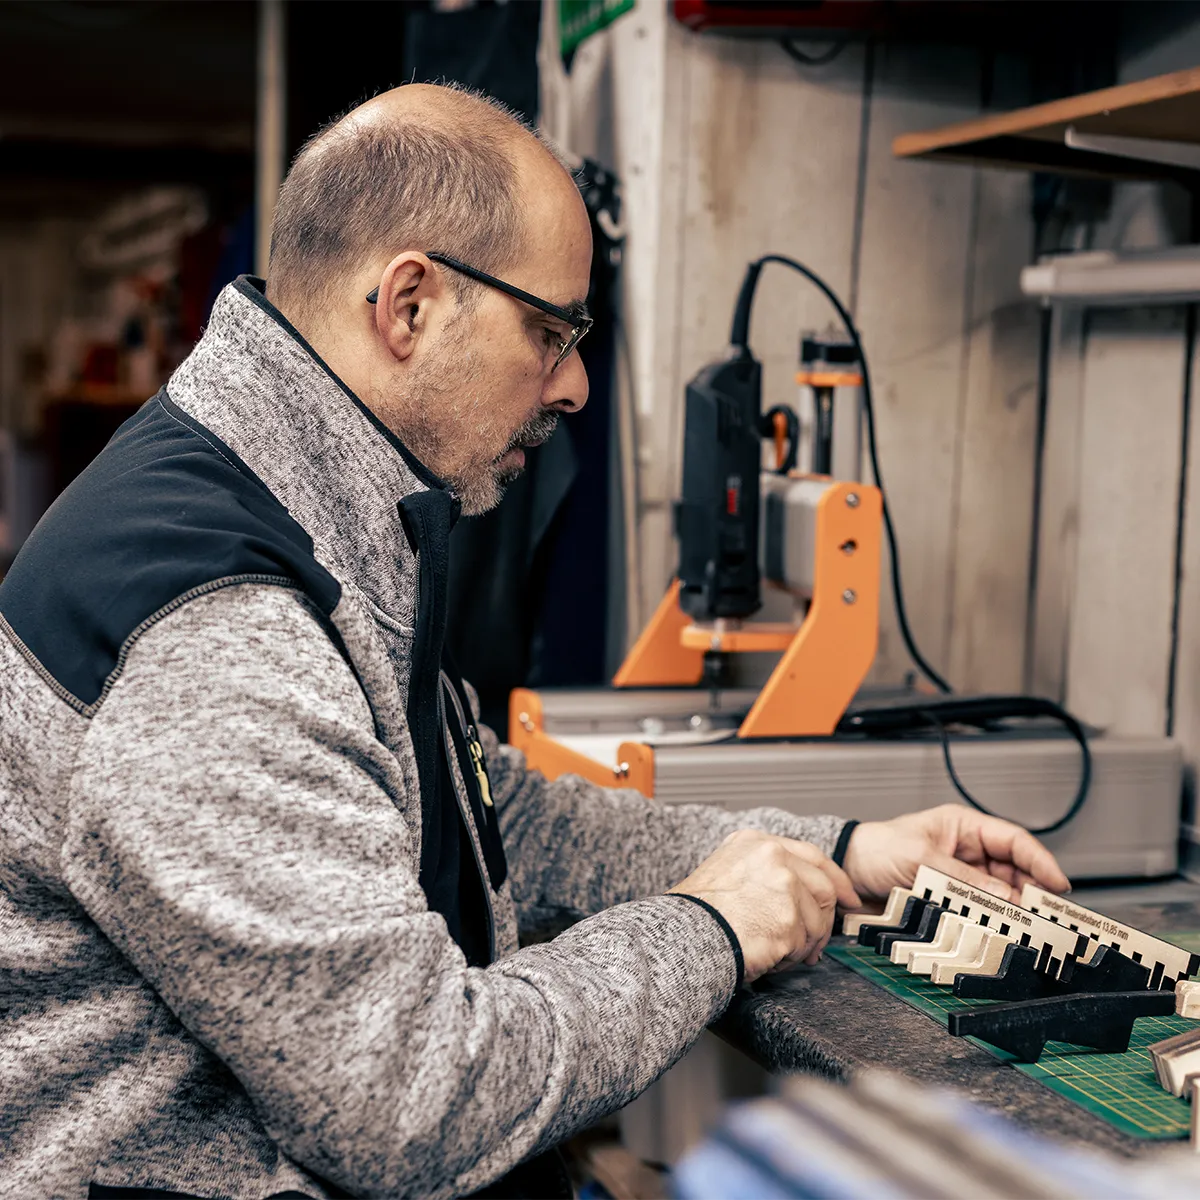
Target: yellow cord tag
column 485, row 790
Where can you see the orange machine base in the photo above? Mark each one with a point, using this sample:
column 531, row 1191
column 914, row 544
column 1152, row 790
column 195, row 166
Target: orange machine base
column 634, row 767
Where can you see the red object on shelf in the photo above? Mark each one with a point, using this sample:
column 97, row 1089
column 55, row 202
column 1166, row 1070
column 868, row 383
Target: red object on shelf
column 101, row 363
column 843, row 17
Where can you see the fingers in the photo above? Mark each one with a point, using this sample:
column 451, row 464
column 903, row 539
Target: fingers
column 995, row 841
column 1004, row 842
column 816, row 901
column 810, row 855
column 818, row 904
column 1003, row 870
column 975, row 876
column 779, row 897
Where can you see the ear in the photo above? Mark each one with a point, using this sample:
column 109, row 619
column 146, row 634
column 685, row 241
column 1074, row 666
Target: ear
column 411, row 298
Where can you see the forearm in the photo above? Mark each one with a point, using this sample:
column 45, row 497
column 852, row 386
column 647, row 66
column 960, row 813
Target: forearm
column 245, row 844
column 577, row 847
column 381, row 1062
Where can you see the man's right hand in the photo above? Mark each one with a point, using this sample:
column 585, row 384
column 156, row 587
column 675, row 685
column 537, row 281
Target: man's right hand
column 778, row 895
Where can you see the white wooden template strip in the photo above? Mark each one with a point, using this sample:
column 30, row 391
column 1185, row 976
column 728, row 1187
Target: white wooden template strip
column 1056, row 944
column 1168, row 963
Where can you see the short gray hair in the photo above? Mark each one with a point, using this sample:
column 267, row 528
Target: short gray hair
column 361, row 188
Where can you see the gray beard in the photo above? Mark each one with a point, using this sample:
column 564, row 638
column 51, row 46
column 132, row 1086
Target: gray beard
column 481, row 489
column 446, row 388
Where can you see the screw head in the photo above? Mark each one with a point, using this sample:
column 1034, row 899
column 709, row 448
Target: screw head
column 621, row 770
column 852, row 500
column 849, row 596
column 525, row 722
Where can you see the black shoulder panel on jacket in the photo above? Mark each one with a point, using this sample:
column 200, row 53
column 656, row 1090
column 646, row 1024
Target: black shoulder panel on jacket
column 165, row 508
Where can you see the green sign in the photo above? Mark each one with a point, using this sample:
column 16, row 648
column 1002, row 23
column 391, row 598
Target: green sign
column 579, row 19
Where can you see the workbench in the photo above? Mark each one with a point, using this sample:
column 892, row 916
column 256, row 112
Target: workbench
column 828, row 1020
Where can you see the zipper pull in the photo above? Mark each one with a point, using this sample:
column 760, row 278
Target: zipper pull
column 476, row 752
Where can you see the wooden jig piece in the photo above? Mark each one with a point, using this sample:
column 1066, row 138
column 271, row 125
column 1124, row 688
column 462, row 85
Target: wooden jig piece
column 965, row 949
column 1058, row 947
column 1175, row 1059
column 944, row 940
column 1167, row 963
column 1102, row 1021
column 892, row 910
column 1187, row 999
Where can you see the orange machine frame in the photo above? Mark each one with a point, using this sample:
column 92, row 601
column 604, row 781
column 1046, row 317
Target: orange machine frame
column 825, row 659
column 634, row 767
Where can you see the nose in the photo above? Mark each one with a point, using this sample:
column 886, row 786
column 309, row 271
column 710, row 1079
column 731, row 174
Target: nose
column 567, row 387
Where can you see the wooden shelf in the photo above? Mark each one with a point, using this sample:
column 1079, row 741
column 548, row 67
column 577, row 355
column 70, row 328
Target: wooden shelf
column 1164, row 109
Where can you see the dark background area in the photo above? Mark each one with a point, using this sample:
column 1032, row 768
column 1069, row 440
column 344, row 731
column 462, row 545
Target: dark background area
column 98, row 99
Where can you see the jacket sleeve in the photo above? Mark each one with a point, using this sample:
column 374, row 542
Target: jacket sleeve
column 237, row 830
column 576, row 848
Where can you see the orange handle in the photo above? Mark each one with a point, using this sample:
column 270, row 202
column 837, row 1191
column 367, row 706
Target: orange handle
column 781, row 437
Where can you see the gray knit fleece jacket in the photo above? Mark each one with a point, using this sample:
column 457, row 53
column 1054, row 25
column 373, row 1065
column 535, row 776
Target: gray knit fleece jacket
column 219, row 971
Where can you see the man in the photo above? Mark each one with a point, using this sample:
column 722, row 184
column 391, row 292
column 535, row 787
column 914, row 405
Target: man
column 262, row 873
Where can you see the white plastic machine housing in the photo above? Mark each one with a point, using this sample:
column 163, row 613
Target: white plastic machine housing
column 1128, row 827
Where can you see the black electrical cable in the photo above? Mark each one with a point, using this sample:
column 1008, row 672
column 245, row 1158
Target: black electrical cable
column 813, row 60
column 739, row 337
column 896, row 719
column 1085, row 771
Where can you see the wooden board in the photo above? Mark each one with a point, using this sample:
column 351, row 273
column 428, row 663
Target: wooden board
column 747, row 195
column 1187, row 663
column 1120, row 633
column 995, row 460
column 623, row 95
column 772, row 166
column 1058, row 525
column 651, row 60
column 1165, row 107
column 728, row 149
column 916, row 247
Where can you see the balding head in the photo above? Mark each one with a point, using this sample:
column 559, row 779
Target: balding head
column 467, row 374
column 420, row 166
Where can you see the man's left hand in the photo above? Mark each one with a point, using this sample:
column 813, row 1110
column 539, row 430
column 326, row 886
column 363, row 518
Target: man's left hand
column 985, row 851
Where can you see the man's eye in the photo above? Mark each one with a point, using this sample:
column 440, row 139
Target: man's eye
column 550, row 337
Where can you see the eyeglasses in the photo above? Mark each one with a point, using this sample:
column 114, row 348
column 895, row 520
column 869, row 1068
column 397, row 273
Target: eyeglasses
column 575, row 314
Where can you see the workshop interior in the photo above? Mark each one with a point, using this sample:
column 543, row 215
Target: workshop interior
column 886, row 495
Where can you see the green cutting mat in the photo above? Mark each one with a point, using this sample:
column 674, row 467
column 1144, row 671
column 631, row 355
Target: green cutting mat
column 1118, row 1088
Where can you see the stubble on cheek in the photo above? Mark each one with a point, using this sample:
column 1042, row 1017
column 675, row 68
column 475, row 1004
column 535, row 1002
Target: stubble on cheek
column 460, row 429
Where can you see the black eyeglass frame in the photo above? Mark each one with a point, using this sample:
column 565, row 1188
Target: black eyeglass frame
column 579, row 324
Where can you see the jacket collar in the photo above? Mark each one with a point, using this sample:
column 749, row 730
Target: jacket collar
column 262, row 389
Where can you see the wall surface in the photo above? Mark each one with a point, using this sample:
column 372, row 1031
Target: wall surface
column 1085, row 589
column 1117, row 631
column 729, row 149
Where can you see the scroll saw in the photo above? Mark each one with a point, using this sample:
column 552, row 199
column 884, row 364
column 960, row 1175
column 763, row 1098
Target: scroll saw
column 813, row 739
